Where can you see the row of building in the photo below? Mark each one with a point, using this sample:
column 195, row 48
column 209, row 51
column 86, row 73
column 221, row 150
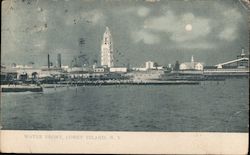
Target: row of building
column 150, row 70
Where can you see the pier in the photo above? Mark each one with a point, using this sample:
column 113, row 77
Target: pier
column 21, row 88
column 128, row 82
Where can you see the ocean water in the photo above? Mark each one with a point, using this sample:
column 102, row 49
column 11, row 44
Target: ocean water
column 209, row 107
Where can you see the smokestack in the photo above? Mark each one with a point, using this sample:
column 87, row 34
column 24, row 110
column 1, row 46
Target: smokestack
column 59, row 60
column 48, row 62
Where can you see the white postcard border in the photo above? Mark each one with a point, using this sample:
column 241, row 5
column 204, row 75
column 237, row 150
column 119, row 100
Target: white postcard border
column 30, row 141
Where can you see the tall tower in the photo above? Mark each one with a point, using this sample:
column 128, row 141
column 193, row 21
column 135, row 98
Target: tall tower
column 107, row 58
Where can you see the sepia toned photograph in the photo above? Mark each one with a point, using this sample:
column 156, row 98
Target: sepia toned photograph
column 125, row 66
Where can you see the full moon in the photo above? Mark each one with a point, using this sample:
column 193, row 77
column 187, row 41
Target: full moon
column 188, row 27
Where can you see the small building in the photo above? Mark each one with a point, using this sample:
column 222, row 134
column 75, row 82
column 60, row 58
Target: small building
column 79, row 69
column 192, row 65
column 7, row 74
column 118, row 69
column 65, row 68
column 99, row 70
column 139, row 69
column 149, row 65
column 22, row 67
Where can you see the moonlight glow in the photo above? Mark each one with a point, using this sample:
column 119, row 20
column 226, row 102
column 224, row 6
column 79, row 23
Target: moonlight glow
column 188, row 27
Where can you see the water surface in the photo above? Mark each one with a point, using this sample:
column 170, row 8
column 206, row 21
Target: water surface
column 210, row 106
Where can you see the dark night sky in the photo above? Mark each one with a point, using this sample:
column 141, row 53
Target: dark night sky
column 141, row 30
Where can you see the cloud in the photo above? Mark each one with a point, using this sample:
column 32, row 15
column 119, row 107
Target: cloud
column 91, row 17
column 143, row 11
column 152, row 1
column 140, row 11
column 41, row 28
column 228, row 34
column 198, row 45
column 145, row 36
column 232, row 15
column 40, row 44
column 174, row 26
column 231, row 20
column 42, row 15
column 94, row 16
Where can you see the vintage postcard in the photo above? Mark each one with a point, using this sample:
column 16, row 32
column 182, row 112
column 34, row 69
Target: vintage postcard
column 125, row 76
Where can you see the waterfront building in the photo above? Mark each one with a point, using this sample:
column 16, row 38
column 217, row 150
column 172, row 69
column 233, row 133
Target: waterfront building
column 236, row 67
column 151, row 71
column 99, row 69
column 22, row 67
column 139, row 69
column 192, row 65
column 7, row 74
column 242, row 61
column 29, row 71
column 118, row 69
column 146, row 75
column 65, row 68
column 107, row 58
column 149, row 65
